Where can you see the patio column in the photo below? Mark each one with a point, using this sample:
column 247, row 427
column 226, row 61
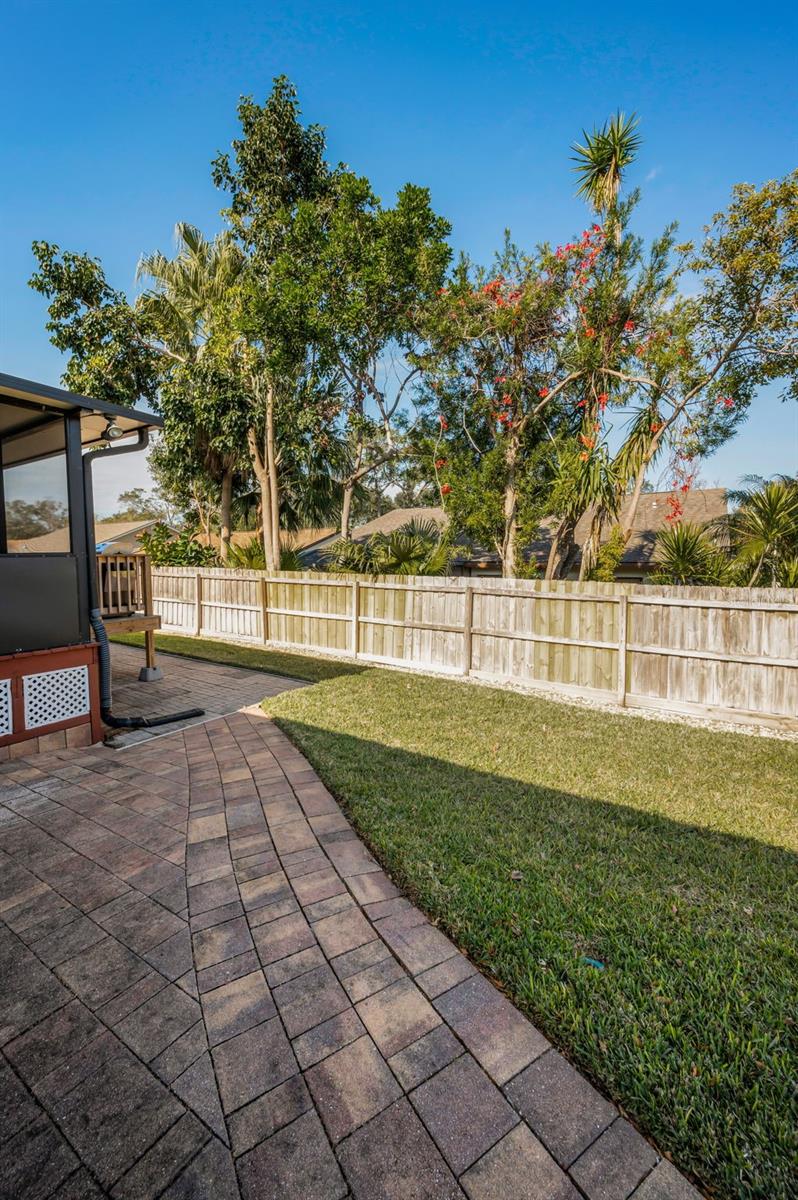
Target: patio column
column 82, row 551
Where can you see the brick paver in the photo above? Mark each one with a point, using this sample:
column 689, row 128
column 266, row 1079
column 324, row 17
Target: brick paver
column 212, row 990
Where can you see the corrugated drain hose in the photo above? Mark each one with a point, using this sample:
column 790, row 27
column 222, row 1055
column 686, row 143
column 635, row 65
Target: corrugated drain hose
column 95, row 616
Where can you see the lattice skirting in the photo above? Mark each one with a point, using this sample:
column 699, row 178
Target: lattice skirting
column 53, row 696
column 46, row 691
column 6, row 708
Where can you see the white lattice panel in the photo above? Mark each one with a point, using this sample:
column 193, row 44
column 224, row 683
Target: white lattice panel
column 54, row 696
column 6, row 714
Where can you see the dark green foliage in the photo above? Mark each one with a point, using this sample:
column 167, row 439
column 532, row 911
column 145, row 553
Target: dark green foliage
column 108, row 342
column 609, row 557
column 416, row 548
column 182, row 550
column 32, row 518
column 686, row 554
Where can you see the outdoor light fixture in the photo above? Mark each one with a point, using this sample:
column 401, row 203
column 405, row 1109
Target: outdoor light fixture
column 113, row 431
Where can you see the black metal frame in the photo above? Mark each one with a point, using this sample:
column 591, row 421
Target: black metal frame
column 78, row 536
column 78, row 472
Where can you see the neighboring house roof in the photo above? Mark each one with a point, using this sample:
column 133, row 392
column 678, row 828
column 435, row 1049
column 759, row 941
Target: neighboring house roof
column 105, row 533
column 387, row 523
column 296, row 539
column 700, row 505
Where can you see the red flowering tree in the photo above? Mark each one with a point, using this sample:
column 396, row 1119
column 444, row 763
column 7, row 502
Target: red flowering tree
column 541, row 361
column 495, row 346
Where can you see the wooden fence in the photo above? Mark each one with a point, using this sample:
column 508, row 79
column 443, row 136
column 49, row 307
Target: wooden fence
column 728, row 653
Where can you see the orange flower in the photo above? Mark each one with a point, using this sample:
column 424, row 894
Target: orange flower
column 590, row 332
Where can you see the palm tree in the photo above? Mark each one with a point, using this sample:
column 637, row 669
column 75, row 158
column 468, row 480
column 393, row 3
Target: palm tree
column 580, row 484
column 416, row 548
column 188, row 291
column 189, row 294
column 762, row 532
column 602, row 160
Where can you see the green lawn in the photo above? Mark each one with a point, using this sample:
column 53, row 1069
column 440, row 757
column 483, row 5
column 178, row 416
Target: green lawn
column 665, row 853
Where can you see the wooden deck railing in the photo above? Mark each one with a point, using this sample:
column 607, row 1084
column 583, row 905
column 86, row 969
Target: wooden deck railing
column 124, row 584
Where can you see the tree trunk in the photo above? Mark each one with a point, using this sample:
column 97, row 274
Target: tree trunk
column 348, row 494
column 634, row 502
column 560, row 546
column 225, row 506
column 261, row 456
column 346, row 509
column 510, row 512
column 592, row 543
column 271, row 465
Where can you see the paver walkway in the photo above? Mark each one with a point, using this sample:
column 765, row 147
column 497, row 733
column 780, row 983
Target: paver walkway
column 211, row 990
column 187, row 683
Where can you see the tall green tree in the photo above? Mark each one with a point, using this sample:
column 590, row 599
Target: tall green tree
column 761, row 532
column 275, row 166
column 368, row 272
column 603, row 158
column 495, row 346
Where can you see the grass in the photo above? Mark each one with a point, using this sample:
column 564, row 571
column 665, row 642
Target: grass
column 255, row 658
column 663, row 852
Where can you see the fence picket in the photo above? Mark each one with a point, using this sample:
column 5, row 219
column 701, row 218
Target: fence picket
column 714, row 651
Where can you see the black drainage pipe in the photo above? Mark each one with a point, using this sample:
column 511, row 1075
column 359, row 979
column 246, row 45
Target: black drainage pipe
column 104, row 651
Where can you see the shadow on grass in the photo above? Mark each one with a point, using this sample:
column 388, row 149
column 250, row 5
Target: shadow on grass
column 689, row 1020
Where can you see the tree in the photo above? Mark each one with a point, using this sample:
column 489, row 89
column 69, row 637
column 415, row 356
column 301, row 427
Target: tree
column 164, row 549
column 687, row 366
column 110, row 345
column 189, row 304
column 368, row 273
column 495, row 342
column 276, row 165
column 603, row 159
column 700, row 364
column 139, row 504
column 687, row 554
column 762, row 532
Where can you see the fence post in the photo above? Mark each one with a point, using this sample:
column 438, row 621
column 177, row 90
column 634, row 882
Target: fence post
column 468, row 626
column 198, row 604
column 354, row 638
column 264, row 607
column 623, row 638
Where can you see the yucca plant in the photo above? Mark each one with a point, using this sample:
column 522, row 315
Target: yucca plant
column 602, row 160
column 250, row 556
column 686, row 554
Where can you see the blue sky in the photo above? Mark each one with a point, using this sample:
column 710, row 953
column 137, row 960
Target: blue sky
column 111, row 113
